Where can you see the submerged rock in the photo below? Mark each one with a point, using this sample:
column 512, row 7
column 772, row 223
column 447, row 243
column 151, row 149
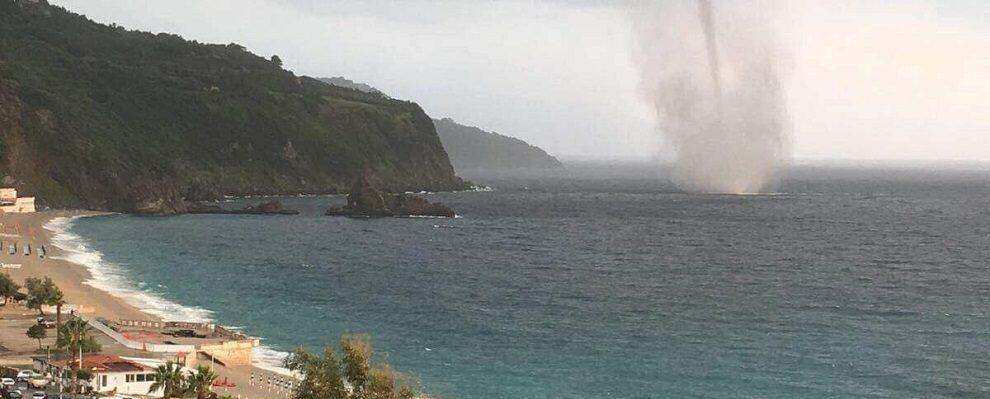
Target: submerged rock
column 367, row 201
column 264, row 208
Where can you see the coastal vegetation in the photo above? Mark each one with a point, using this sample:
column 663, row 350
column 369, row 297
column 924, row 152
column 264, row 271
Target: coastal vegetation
column 77, row 335
column 102, row 117
column 42, row 292
column 38, row 332
column 8, row 288
column 169, row 379
column 175, row 383
column 351, row 376
column 200, row 383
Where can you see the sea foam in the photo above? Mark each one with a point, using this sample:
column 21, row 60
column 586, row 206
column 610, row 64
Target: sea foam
column 111, row 278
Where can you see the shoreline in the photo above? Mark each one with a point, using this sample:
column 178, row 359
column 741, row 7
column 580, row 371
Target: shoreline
column 110, row 296
column 72, row 278
column 81, row 285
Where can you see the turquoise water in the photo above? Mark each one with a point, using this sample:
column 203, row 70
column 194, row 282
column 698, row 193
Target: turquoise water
column 587, row 283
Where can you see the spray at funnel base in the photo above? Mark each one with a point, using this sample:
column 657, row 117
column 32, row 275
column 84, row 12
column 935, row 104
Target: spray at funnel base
column 710, row 72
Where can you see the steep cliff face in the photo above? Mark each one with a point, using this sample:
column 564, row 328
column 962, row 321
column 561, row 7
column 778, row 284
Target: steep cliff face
column 472, row 148
column 101, row 117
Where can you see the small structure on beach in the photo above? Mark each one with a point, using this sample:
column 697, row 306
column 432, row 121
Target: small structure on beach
column 110, row 373
column 219, row 344
column 11, row 203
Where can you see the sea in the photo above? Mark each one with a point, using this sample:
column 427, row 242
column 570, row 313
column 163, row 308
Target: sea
column 602, row 280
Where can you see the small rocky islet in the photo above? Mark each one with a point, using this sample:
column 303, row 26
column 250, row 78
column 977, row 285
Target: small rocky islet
column 364, row 200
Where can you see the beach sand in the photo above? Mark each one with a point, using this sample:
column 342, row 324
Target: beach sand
column 71, row 279
column 28, row 228
column 68, row 276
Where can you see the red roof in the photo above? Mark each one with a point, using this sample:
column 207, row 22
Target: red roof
column 100, row 362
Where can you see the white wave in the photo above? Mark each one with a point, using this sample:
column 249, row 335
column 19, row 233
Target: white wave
column 111, row 278
column 425, row 217
column 270, row 359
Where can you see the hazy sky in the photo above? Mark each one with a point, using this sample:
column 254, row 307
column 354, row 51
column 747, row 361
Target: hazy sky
column 907, row 79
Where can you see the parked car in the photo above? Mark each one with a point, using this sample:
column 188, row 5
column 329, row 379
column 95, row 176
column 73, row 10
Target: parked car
column 38, row 395
column 13, row 395
column 48, row 323
column 39, row 381
column 25, row 375
column 7, row 382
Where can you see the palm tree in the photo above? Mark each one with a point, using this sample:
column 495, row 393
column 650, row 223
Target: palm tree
column 201, row 382
column 58, row 317
column 74, row 335
column 169, row 379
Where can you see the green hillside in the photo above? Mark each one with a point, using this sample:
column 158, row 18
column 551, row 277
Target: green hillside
column 101, row 117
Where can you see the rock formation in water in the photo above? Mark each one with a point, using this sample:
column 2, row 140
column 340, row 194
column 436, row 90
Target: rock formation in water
column 365, row 200
column 263, row 208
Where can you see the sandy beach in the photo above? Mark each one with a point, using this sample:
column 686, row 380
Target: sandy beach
column 28, row 228
column 71, row 279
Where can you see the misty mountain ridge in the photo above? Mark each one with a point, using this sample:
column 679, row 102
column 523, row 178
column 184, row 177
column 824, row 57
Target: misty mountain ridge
column 471, row 147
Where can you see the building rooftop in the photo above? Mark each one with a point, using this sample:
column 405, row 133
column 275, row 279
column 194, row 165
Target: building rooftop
column 98, row 362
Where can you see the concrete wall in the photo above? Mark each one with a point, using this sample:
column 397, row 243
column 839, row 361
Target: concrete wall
column 17, row 205
column 148, row 347
column 232, row 353
column 8, row 194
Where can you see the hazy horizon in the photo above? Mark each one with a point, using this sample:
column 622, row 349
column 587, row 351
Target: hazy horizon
column 865, row 81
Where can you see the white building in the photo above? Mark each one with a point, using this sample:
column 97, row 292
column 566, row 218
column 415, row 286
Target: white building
column 111, row 374
column 11, row 203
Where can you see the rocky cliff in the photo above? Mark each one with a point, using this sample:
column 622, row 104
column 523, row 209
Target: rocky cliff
column 105, row 118
column 365, row 200
column 470, row 147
